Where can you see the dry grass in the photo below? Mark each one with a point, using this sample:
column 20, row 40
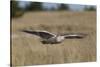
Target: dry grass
column 28, row 50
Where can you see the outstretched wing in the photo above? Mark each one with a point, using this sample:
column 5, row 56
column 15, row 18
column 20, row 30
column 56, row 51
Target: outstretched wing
column 42, row 34
column 74, row 35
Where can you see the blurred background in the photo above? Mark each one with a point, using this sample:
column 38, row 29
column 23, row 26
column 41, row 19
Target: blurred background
column 57, row 18
column 18, row 8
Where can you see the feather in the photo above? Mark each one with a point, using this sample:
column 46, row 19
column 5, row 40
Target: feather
column 42, row 34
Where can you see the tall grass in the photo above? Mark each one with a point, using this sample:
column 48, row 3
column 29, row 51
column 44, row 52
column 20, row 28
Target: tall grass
column 28, row 50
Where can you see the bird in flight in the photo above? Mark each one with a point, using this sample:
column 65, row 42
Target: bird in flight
column 50, row 38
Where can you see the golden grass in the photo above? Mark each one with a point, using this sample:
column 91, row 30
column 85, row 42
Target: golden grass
column 28, row 50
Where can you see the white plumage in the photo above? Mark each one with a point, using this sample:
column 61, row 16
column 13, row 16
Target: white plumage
column 50, row 38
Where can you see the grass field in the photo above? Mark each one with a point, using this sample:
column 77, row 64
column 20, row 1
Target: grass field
column 28, row 50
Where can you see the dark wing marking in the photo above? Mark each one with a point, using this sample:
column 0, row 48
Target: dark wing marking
column 74, row 35
column 42, row 34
